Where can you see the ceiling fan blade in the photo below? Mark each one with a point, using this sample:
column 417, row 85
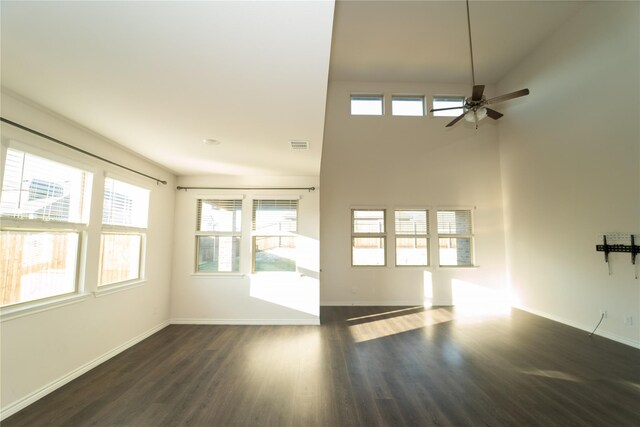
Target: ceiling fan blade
column 444, row 109
column 494, row 114
column 516, row 94
column 476, row 95
column 456, row 120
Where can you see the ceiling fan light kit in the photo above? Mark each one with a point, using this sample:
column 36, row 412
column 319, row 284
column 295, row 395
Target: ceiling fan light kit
column 474, row 108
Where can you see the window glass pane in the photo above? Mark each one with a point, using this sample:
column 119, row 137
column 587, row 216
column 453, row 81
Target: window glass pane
column 412, row 222
column 220, row 215
column 447, row 102
column 455, row 251
column 35, row 265
column 37, row 188
column 407, row 106
column 412, row 251
column 366, row 105
column 218, row 254
column 125, row 204
column 274, row 253
column 368, row 221
column 120, row 258
column 275, row 216
column 368, row 251
column 454, row 222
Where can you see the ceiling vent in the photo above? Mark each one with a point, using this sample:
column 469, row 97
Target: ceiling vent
column 299, row 145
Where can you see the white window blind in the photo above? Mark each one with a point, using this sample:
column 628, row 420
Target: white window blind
column 368, row 221
column 448, row 102
column 219, row 215
column 125, row 204
column 454, row 222
column 366, row 105
column 407, row 106
column 275, row 216
column 412, row 222
column 38, row 188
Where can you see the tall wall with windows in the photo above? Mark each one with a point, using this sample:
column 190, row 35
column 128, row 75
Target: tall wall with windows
column 86, row 249
column 411, row 211
column 570, row 160
column 246, row 256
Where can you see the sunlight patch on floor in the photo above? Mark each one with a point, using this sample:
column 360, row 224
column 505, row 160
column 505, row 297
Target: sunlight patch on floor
column 399, row 324
column 559, row 375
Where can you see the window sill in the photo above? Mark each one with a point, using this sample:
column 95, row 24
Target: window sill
column 112, row 289
column 217, row 275
column 27, row 309
column 458, row 266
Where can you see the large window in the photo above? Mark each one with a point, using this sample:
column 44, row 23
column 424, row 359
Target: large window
column 368, row 237
column 275, row 224
column 218, row 236
column 124, row 223
column 455, row 238
column 44, row 208
column 412, row 237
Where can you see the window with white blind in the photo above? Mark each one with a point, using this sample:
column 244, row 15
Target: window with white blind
column 412, row 237
column 367, row 105
column 407, row 105
column 454, row 102
column 455, row 237
column 368, row 237
column 44, row 208
column 275, row 224
column 124, row 222
column 218, row 236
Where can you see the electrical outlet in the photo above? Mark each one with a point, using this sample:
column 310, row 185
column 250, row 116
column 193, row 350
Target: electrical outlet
column 603, row 313
column 628, row 320
column 354, row 290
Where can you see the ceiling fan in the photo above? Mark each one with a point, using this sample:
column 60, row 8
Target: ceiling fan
column 475, row 107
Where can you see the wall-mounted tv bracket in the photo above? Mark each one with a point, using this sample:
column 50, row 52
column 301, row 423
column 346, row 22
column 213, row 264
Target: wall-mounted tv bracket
column 633, row 249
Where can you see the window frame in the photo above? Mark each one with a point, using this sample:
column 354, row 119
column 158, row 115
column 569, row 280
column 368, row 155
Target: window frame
column 123, row 230
column 199, row 233
column 447, row 114
column 470, row 236
column 426, row 236
column 30, row 225
column 366, row 96
column 255, row 233
column 420, row 98
column 382, row 235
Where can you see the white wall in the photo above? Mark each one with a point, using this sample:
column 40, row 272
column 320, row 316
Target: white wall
column 570, row 156
column 263, row 298
column 43, row 350
column 403, row 162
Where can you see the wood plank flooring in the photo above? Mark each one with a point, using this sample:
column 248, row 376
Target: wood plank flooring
column 365, row 366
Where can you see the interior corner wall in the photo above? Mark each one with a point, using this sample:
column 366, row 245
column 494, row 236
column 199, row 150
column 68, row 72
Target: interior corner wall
column 246, row 298
column 570, row 156
column 406, row 162
column 42, row 351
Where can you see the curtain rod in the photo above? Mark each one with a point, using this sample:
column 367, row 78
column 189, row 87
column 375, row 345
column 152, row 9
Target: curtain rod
column 57, row 141
column 310, row 189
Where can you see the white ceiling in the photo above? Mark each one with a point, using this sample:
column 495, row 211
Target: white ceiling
column 158, row 77
column 427, row 41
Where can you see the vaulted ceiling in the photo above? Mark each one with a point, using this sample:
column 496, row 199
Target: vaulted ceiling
column 159, row 77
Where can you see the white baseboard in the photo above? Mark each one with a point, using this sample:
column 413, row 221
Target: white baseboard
column 182, row 321
column 372, row 303
column 40, row 393
column 587, row 328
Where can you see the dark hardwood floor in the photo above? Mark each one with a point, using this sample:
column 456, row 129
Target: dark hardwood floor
column 365, row 366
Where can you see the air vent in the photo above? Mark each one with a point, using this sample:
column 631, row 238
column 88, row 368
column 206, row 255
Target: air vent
column 299, row 145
